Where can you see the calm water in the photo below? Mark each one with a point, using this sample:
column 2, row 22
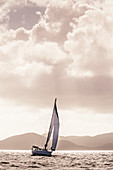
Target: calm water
column 61, row 160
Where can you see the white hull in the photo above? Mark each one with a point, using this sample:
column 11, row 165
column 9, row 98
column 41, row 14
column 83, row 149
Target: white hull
column 41, row 153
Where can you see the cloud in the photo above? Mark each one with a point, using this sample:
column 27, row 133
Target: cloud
column 55, row 24
column 66, row 53
column 88, row 44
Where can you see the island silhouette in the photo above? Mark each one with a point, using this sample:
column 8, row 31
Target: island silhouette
column 25, row 141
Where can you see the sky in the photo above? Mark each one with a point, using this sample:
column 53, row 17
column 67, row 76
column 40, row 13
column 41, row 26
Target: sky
column 56, row 49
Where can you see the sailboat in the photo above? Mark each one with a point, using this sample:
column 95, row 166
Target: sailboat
column 54, row 127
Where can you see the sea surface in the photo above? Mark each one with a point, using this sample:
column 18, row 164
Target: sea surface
column 61, row 160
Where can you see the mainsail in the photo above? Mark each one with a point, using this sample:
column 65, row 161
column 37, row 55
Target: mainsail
column 56, row 128
column 54, row 124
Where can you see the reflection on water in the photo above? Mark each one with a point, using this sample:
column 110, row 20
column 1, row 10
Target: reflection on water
column 71, row 160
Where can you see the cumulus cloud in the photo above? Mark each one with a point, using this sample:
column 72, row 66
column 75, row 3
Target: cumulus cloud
column 66, row 53
column 55, row 24
column 88, row 43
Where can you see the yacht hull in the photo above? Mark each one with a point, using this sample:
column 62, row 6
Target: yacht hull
column 41, row 153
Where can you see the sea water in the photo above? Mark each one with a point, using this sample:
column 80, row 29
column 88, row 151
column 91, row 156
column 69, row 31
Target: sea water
column 60, row 160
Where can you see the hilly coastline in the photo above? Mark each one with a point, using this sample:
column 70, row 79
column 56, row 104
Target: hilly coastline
column 25, row 142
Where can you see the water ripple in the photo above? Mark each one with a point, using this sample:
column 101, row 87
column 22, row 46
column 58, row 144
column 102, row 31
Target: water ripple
column 59, row 161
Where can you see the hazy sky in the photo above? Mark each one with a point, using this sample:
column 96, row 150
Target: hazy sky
column 56, row 48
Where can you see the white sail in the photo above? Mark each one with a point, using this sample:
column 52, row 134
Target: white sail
column 50, row 129
column 56, row 128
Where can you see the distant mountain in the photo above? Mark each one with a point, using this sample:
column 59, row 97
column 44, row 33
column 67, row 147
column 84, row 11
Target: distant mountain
column 22, row 142
column 25, row 142
column 67, row 145
column 108, row 146
column 89, row 141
